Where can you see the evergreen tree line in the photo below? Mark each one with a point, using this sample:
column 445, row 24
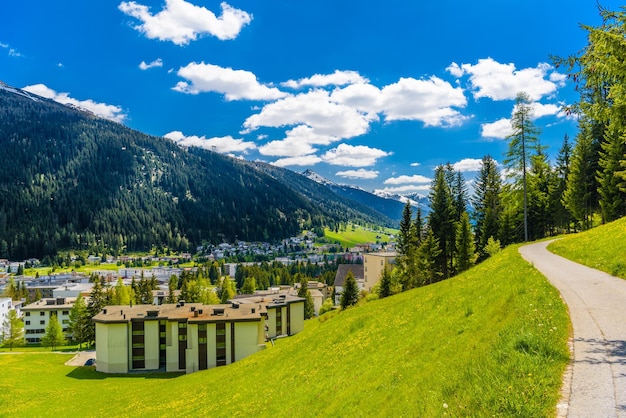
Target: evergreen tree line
column 585, row 185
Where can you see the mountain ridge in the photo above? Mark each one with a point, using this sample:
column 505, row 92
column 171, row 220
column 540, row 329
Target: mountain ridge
column 77, row 180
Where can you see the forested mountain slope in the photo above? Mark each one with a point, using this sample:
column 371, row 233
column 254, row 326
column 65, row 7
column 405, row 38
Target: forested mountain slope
column 72, row 180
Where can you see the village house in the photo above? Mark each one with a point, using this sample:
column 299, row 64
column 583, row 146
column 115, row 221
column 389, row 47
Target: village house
column 187, row 337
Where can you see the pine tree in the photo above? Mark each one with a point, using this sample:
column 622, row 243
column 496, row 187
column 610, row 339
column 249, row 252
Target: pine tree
column 522, row 141
column 97, row 301
column 350, row 294
column 429, row 256
column 171, row 287
column 487, row 204
column 304, row 292
column 79, row 321
column 561, row 217
column 441, row 220
column 53, row 337
column 384, row 284
column 466, row 255
column 580, row 191
column 611, row 187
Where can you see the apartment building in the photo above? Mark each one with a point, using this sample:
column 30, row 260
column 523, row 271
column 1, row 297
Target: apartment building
column 373, row 266
column 187, row 337
column 38, row 314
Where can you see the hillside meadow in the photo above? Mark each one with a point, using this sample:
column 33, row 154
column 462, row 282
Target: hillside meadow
column 490, row 342
column 602, row 248
column 355, row 234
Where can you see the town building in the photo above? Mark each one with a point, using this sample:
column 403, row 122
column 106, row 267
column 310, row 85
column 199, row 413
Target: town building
column 6, row 305
column 187, row 337
column 373, row 266
column 38, row 314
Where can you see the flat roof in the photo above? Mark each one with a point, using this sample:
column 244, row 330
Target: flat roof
column 189, row 312
column 50, row 303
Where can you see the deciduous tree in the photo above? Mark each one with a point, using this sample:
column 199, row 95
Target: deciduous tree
column 12, row 330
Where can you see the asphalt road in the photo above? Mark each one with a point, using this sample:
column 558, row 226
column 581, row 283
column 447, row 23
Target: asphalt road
column 597, row 305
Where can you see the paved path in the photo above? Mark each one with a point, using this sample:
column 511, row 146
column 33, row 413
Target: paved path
column 597, row 305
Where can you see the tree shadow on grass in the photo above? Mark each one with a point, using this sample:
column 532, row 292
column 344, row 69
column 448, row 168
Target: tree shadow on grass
column 90, row 373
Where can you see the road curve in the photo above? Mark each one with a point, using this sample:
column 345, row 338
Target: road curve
column 597, row 305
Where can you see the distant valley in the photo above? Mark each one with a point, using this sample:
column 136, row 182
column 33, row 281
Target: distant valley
column 73, row 180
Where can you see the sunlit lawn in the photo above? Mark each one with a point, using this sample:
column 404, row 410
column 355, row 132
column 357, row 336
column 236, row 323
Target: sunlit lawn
column 491, row 342
column 602, row 248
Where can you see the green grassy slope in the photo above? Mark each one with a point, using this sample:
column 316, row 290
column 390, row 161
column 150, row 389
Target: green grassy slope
column 490, row 342
column 355, row 235
column 602, row 248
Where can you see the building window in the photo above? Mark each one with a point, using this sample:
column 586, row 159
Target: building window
column 65, row 313
column 27, row 313
column 66, row 321
column 42, row 322
column 42, row 313
column 220, row 344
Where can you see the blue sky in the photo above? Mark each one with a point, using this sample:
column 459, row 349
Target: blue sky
column 373, row 94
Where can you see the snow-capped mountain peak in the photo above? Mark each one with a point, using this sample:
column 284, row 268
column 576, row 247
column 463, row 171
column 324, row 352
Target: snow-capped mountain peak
column 312, row 175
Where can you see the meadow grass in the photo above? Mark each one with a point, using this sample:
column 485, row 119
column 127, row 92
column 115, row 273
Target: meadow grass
column 490, row 342
column 355, row 234
column 602, row 248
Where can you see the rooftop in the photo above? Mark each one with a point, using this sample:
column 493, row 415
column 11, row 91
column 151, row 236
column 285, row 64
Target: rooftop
column 192, row 312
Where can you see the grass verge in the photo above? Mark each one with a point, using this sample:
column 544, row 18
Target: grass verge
column 602, row 248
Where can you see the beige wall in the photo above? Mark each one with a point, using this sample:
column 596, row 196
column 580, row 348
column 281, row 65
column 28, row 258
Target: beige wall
column 171, row 348
column 373, row 265
column 297, row 317
column 112, row 349
column 151, row 344
column 246, row 339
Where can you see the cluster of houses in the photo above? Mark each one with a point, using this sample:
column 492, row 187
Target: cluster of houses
column 186, row 337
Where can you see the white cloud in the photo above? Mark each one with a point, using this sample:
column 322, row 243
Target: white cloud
column 288, row 147
column 408, row 179
column 499, row 129
column 12, row 51
column 305, row 160
column 338, row 78
column 415, row 164
column 298, row 142
column 224, row 145
column 430, row 101
column 313, row 109
column 468, row 165
column 361, row 173
column 549, row 109
column 497, row 81
column 156, row 63
column 411, row 188
column 104, row 110
column 234, row 84
column 366, row 98
column 353, row 156
column 455, row 70
column 181, row 22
